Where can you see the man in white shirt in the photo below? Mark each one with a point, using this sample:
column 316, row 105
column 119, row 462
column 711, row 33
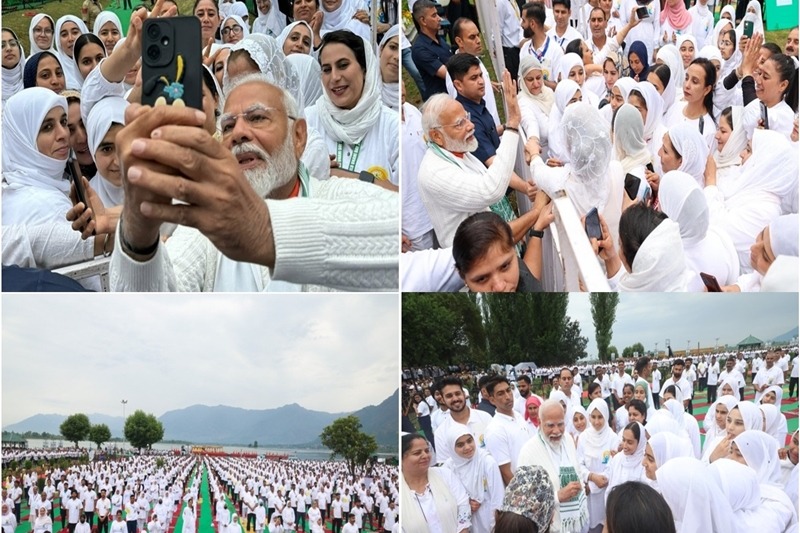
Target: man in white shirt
column 524, row 388
column 350, row 526
column 618, row 382
column 702, row 373
column 794, row 376
column 680, row 382
column 508, row 431
column 713, row 379
column 732, row 374
column 741, row 366
column 768, row 376
column 539, row 44
column 690, row 374
column 74, row 511
column 390, row 517
column 458, row 412
column 336, row 514
column 605, row 384
column 103, row 508
column 89, row 499
column 566, row 386
column 563, row 33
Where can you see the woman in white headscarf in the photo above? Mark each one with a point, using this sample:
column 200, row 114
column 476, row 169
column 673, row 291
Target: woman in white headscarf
column 270, row 22
column 108, row 27
column 753, row 15
column 687, row 47
column 740, row 486
column 13, row 64
column 742, row 417
column 627, row 465
column 774, row 422
column 670, row 56
column 341, row 15
column 696, row 501
column 779, row 238
column 297, row 38
column 685, row 421
column 478, row 472
column 684, row 145
column 708, row 249
column 716, row 419
column 389, row 60
column 570, row 67
column 662, row 447
column 535, row 102
column 595, row 448
column 108, row 113
column 68, row 29
column 646, row 99
column 41, row 33
column 233, row 29
column 35, row 193
column 629, row 146
column 310, row 75
column 730, row 52
column 731, row 140
column 357, row 128
column 566, row 93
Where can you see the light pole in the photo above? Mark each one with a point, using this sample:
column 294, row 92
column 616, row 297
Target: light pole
column 124, row 402
column 655, row 354
column 688, row 344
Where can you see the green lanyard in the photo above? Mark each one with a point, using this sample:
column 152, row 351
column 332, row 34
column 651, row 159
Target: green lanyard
column 353, row 159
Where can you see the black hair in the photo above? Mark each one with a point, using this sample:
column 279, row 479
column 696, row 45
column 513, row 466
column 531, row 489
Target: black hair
column 511, row 522
column 565, row 3
column 641, row 364
column 405, row 442
column 679, row 361
column 460, row 64
column 350, row 40
column 787, row 71
column 420, row 8
column 628, row 385
column 457, row 26
column 82, row 41
column 601, row 10
column 215, row 2
column 727, row 114
column 635, row 429
column 710, row 80
column 574, row 47
column 639, row 95
column 484, row 380
column 592, row 386
column 662, row 71
column 210, row 82
column 451, row 380
column 525, row 378
column 635, row 225
column 535, row 11
column 476, row 235
column 495, row 382
column 634, row 506
column 562, row 371
column 672, row 390
column 772, row 47
column 177, row 7
column 640, row 406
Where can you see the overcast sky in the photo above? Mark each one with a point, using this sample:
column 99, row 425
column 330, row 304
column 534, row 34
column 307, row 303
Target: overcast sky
column 652, row 318
column 68, row 354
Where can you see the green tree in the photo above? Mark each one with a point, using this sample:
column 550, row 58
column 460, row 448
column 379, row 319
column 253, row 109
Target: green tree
column 345, row 439
column 75, row 428
column 613, row 352
column 143, row 430
column 99, row 433
column 604, row 314
column 634, row 348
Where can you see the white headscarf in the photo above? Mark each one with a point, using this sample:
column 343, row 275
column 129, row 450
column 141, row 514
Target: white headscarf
column 104, row 113
column 709, row 422
column 683, row 201
column 664, row 422
column 309, row 75
column 692, row 148
column 268, row 55
column 564, row 92
column 783, row 233
column 288, row 30
column 667, row 446
column 545, row 99
column 240, row 21
column 655, row 108
column 596, row 444
column 751, row 415
column 338, row 18
column 566, row 64
column 676, row 410
column 660, row 264
column 351, row 125
column 578, row 409
column 390, row 92
column 772, row 421
column 625, row 86
column 688, row 37
column 782, row 275
column 23, row 164
column 737, row 141
column 733, row 385
column 12, row 77
column 760, row 450
column 758, row 24
column 72, row 75
column 671, row 57
column 469, row 471
column 735, row 59
column 628, row 467
column 102, row 19
column 697, row 503
column 740, row 486
column 629, row 137
column 589, row 147
column 34, row 21
column 772, row 167
column 712, row 52
column 272, row 22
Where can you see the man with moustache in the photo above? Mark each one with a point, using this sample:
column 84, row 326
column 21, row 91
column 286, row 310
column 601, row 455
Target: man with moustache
column 237, row 232
column 459, row 412
column 553, row 450
column 508, row 431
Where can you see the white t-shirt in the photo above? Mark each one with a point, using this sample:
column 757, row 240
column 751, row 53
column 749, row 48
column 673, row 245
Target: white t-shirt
column 549, row 55
column 795, row 367
column 656, row 380
column 505, row 436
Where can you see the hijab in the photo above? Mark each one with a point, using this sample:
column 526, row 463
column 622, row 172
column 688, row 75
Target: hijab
column 772, row 421
column 390, row 92
column 667, row 446
column 72, row 75
column 240, row 21
column 469, row 471
column 737, row 141
column 733, row 385
column 272, row 22
column 655, row 108
column 689, row 37
column 351, row 125
column 758, row 24
column 23, row 164
column 309, row 75
column 32, row 66
column 625, row 86
column 532, row 400
column 639, row 48
column 683, row 201
column 710, row 423
column 693, row 149
column 740, row 486
column 729, row 9
column 268, row 55
column 288, row 30
column 751, row 415
column 783, row 233
column 760, row 451
column 102, row 19
column 676, row 410
column 635, row 459
column 663, row 422
column 735, row 59
column 775, row 388
column 564, row 92
column 338, row 18
column 696, row 501
column 13, row 77
column 545, row 99
column 578, row 409
column 671, row 57
column 104, row 114
column 596, row 444
column 34, row 21
column 629, row 138
column 566, row 64
column 772, row 167
column 677, row 15
column 660, row 264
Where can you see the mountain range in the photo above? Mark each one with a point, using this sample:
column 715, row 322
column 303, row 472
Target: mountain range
column 202, row 424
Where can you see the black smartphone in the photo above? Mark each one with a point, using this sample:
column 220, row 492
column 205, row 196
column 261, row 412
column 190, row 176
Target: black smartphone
column 592, row 225
column 764, row 116
column 710, row 282
column 172, row 62
column 632, row 185
column 641, row 12
column 649, row 166
column 75, row 176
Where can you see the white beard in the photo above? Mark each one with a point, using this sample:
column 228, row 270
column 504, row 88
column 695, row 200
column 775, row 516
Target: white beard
column 457, row 145
column 275, row 172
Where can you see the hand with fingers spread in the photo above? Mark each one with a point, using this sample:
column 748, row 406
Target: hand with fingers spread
column 94, row 220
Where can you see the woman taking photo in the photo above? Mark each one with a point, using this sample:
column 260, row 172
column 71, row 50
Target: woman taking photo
column 13, row 64
column 775, row 80
column 431, row 499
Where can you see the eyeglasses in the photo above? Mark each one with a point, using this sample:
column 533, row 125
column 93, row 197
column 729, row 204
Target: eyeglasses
column 257, row 116
column 725, row 43
column 13, row 43
column 458, row 125
column 42, row 31
column 235, row 29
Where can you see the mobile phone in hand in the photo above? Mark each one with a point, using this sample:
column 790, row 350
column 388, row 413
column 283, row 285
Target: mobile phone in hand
column 592, row 225
column 171, row 61
column 764, row 116
column 76, row 177
column 632, row 185
column 710, row 282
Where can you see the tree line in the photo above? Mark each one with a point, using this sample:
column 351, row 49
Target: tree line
column 142, row 430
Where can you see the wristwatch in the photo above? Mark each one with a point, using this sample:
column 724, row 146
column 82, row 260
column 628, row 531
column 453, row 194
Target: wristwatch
column 506, row 127
column 369, row 177
column 535, row 233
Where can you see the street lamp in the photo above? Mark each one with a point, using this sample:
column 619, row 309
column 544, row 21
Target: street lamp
column 124, row 402
column 688, row 344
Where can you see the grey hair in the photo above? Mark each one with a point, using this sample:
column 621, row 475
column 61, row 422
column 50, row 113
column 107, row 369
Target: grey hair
column 420, row 7
column 289, row 103
column 432, row 109
column 549, row 405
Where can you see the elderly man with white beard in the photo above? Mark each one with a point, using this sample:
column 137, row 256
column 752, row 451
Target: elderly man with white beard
column 249, row 214
column 553, row 449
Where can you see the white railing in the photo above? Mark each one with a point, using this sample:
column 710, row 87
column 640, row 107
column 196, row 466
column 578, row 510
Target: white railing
column 87, row 269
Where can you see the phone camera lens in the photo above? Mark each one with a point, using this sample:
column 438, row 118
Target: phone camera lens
column 153, row 31
column 153, row 52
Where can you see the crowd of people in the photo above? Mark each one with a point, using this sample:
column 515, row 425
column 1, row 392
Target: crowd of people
column 150, row 493
column 673, row 134
column 301, row 105
column 620, row 450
